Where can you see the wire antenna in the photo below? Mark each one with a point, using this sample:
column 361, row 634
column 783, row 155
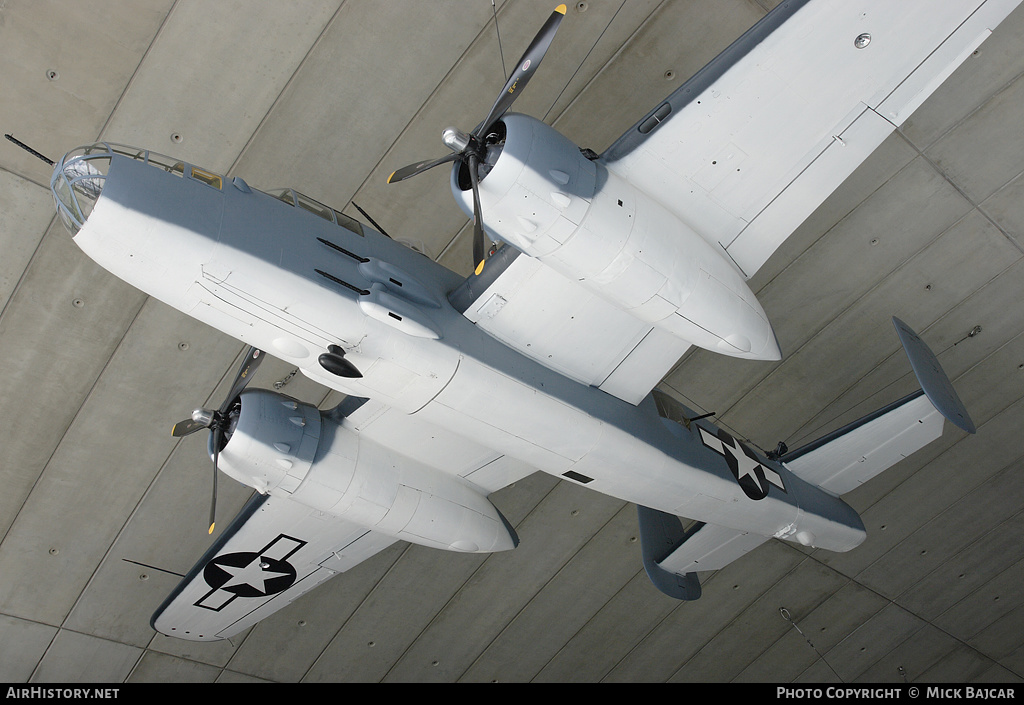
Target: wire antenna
column 504, row 72
column 789, row 618
column 372, row 221
column 28, row 149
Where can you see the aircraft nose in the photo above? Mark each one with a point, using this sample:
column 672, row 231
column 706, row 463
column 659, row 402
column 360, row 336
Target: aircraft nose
column 77, row 182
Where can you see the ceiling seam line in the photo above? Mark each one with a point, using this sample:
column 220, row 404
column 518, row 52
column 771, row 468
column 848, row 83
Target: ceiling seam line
column 63, row 434
column 27, row 179
column 24, row 273
column 897, row 351
column 284, row 89
column 1015, row 461
column 145, row 493
column 341, row 627
column 847, row 310
column 551, row 578
column 612, row 59
column 925, row 622
column 640, row 571
column 451, row 598
column 433, row 93
column 974, row 204
column 967, row 547
column 580, row 66
column 138, row 68
column 149, row 487
column 736, row 615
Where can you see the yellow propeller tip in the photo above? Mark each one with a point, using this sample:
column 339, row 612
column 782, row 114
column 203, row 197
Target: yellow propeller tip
column 211, row 528
column 479, row 268
column 392, row 176
column 560, row 9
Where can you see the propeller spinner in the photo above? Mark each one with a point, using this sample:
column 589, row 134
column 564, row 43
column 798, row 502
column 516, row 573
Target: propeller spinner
column 219, row 420
column 471, row 148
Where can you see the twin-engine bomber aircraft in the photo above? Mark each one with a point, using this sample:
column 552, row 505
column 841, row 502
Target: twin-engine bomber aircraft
column 545, row 358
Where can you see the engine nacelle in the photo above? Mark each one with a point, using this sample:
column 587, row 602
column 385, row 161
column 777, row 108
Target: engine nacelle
column 289, row 449
column 543, row 197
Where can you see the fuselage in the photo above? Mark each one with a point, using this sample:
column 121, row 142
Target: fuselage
column 293, row 277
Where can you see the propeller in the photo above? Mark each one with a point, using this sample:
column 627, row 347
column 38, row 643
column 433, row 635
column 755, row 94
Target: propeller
column 471, row 148
column 219, row 420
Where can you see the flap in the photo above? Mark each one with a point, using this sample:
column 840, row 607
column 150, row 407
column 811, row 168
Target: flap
column 274, row 551
column 562, row 325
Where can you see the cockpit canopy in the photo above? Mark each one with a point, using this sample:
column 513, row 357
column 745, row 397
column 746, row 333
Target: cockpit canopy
column 79, row 177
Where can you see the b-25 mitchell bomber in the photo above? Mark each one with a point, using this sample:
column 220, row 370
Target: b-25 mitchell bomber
column 608, row 268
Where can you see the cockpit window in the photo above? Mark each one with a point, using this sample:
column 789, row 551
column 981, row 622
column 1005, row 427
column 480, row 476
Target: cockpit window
column 80, row 176
column 315, row 207
column 285, row 195
column 349, row 223
column 293, row 198
column 171, row 166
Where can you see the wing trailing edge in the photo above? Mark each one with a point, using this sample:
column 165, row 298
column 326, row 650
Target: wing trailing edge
column 273, row 552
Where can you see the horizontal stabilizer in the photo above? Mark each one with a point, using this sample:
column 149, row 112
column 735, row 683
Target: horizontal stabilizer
column 843, row 460
column 672, row 556
column 274, row 551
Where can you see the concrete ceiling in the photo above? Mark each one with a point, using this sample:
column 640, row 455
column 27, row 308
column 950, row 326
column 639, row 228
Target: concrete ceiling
column 101, row 506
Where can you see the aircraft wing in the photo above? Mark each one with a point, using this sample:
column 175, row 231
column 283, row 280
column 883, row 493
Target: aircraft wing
column 274, row 551
column 562, row 325
column 277, row 549
column 749, row 146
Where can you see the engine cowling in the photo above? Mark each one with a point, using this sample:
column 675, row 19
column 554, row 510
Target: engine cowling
column 543, row 197
column 287, row 448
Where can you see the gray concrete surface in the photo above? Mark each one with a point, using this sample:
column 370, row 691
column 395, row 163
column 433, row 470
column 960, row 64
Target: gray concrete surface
column 101, row 506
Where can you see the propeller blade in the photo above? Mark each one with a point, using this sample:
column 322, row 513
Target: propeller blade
column 413, row 169
column 184, row 428
column 216, row 457
column 524, row 70
column 478, row 227
column 253, row 358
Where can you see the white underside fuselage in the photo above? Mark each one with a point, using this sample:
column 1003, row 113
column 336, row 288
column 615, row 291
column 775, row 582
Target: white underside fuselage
column 280, row 278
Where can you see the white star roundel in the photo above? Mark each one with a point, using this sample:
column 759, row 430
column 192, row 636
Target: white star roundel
column 754, row 478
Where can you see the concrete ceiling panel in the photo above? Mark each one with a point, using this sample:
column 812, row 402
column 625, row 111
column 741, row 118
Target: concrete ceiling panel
column 66, row 65
column 24, row 217
column 80, row 658
column 212, row 74
column 959, row 153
